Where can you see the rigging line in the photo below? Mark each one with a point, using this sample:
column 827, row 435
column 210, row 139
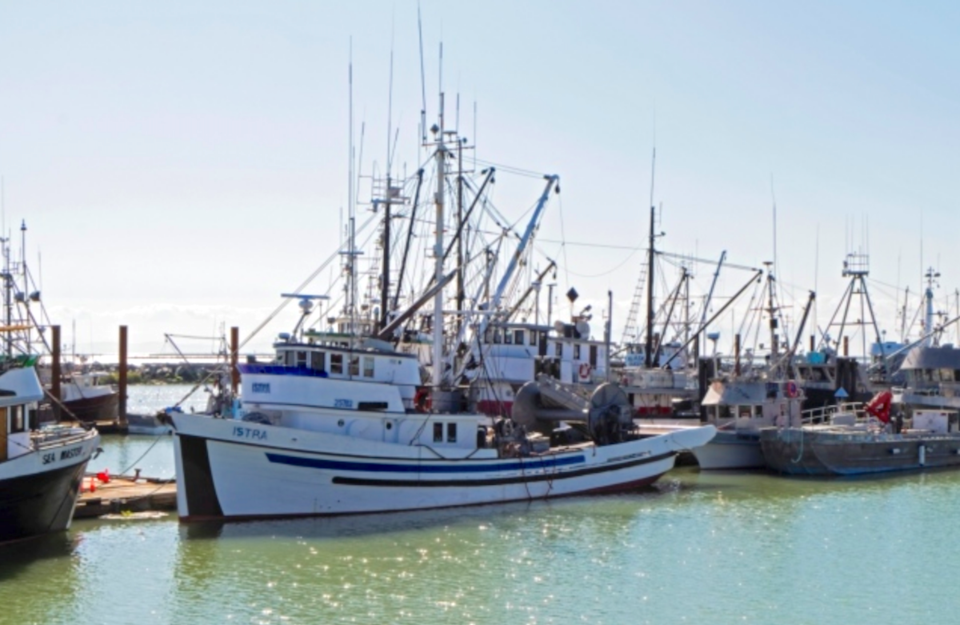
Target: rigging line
column 563, row 245
column 512, row 169
column 601, row 274
column 303, row 285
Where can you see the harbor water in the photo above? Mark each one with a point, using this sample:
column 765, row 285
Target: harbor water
column 697, row 548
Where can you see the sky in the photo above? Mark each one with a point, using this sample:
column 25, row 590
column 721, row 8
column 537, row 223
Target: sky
column 180, row 164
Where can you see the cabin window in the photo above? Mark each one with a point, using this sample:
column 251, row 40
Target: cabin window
column 354, row 365
column 593, row 355
column 533, row 338
column 336, row 363
column 507, row 337
column 316, row 361
column 576, row 351
column 946, row 375
column 724, row 412
column 289, row 359
column 518, row 337
column 437, row 432
column 301, row 359
column 16, row 419
column 496, row 337
column 451, row 432
column 33, row 422
column 368, row 366
column 559, row 350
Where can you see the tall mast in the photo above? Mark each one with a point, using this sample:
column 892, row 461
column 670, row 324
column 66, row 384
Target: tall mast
column 351, row 252
column 385, row 276
column 441, row 156
column 460, row 294
column 648, row 356
column 649, row 346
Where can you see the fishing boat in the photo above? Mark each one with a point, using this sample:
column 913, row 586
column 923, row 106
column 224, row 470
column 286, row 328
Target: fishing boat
column 40, row 469
column 333, row 429
column 856, row 439
column 345, row 422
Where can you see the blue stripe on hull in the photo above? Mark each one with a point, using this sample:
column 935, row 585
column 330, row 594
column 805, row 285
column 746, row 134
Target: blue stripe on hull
column 425, row 466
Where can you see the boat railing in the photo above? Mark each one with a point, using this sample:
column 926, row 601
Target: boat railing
column 825, row 414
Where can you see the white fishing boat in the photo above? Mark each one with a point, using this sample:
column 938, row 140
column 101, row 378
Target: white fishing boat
column 330, row 429
column 341, row 423
column 40, row 469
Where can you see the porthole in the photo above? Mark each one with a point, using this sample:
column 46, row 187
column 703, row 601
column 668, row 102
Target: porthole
column 389, row 425
column 340, row 423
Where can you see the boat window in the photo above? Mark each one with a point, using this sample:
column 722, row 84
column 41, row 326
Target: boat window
column 451, row 432
column 368, row 366
column 533, row 338
column 301, row 359
column 593, row 355
column 576, row 351
column 316, row 360
column 559, row 350
column 946, row 375
column 931, row 375
column 507, row 337
column 518, row 337
column 289, row 359
column 16, row 419
column 354, row 365
column 437, row 432
column 724, row 412
column 336, row 363
column 496, row 337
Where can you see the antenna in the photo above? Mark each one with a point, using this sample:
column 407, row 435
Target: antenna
column 423, row 82
column 773, row 197
column 390, row 100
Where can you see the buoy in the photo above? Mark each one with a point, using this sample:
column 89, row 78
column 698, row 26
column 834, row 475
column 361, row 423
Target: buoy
column 104, row 476
column 93, row 484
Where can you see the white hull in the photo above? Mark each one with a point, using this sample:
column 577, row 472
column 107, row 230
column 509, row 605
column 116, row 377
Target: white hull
column 726, row 450
column 234, row 469
column 729, row 451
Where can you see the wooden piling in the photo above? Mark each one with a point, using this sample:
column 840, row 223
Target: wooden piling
column 234, row 349
column 55, row 373
column 846, row 346
column 122, row 379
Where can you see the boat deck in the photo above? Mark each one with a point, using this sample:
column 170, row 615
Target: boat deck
column 121, row 495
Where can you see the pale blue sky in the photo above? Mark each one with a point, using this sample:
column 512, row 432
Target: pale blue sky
column 180, row 165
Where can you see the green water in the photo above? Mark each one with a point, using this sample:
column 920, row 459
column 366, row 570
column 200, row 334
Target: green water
column 699, row 548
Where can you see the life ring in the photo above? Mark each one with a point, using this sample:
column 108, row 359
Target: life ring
column 585, row 370
column 792, row 390
column 422, row 401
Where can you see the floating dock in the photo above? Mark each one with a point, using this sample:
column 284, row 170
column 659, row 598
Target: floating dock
column 124, row 494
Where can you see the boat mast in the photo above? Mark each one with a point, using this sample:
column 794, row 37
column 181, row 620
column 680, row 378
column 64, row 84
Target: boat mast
column 441, row 156
column 649, row 347
column 648, row 355
column 385, row 275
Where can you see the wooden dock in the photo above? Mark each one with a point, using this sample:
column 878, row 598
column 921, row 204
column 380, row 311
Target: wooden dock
column 122, row 494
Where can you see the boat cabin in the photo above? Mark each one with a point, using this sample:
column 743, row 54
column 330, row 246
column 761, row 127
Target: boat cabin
column 753, row 404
